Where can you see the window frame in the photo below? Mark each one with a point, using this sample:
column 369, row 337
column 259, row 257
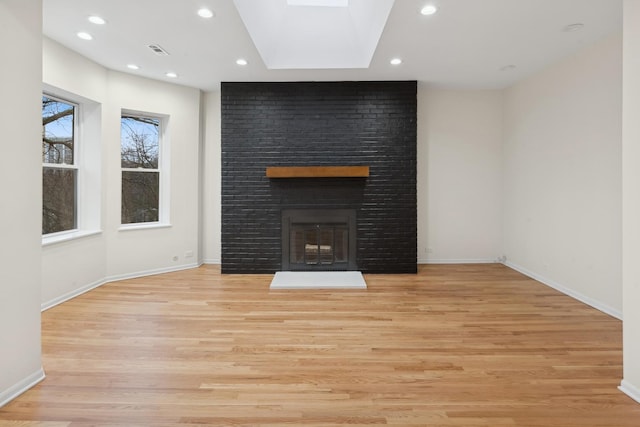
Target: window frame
column 75, row 166
column 88, row 159
column 162, row 171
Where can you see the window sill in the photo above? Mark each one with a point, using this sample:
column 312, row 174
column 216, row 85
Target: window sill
column 144, row 226
column 66, row 236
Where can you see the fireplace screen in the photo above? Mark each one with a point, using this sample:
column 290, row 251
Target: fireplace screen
column 324, row 244
column 318, row 239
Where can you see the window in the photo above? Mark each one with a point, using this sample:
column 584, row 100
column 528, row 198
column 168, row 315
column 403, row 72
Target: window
column 71, row 166
column 140, row 140
column 59, row 168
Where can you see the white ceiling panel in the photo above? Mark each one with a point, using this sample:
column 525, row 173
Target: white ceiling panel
column 468, row 44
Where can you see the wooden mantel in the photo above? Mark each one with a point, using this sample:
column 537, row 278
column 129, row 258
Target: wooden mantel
column 317, row 171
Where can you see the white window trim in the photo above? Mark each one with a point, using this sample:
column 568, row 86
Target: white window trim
column 87, row 162
column 163, row 171
column 67, row 166
column 140, row 170
column 65, row 236
column 143, row 226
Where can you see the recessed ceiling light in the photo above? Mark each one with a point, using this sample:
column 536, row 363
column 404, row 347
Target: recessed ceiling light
column 396, row 61
column 241, row 61
column 429, row 10
column 171, row 74
column 133, row 67
column 573, row 27
column 205, row 13
column 95, row 19
column 84, row 36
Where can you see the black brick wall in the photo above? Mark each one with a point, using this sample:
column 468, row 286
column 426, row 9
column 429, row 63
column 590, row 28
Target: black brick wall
column 319, row 123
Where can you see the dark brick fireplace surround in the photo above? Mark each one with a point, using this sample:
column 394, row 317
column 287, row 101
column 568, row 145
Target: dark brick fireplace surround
column 319, row 124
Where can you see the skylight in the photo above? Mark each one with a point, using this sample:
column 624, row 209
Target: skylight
column 321, row 3
column 342, row 34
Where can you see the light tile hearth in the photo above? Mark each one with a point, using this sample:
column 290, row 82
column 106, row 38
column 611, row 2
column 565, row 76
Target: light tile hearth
column 318, row 280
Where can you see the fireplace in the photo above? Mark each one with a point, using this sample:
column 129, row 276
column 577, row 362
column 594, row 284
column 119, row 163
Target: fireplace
column 318, row 239
column 318, row 146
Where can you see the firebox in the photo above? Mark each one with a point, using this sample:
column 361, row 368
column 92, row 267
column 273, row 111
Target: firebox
column 319, row 239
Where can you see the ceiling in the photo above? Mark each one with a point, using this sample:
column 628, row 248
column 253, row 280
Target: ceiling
column 467, row 44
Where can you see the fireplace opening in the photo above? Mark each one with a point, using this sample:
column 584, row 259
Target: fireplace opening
column 319, row 244
column 318, row 239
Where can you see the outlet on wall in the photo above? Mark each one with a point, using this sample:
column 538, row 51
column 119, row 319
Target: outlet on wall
column 188, row 254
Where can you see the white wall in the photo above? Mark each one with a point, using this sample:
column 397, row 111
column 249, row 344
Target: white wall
column 113, row 253
column 212, row 180
column 20, row 201
column 631, row 200
column 459, row 175
column 562, row 180
column 72, row 266
column 149, row 250
column 65, row 69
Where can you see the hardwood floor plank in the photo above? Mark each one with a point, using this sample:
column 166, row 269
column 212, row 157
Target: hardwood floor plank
column 454, row 345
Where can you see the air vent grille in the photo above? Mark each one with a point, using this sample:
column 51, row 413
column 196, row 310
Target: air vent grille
column 158, row 50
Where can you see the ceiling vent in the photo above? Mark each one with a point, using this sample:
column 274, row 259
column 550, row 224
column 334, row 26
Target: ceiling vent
column 158, row 50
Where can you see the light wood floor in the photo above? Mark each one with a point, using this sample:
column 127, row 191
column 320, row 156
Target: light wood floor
column 451, row 346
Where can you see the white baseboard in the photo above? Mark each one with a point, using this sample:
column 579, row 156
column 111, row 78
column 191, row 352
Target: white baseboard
column 630, row 390
column 213, row 261
column 70, row 295
column 565, row 290
column 134, row 275
column 22, row 386
column 456, row 261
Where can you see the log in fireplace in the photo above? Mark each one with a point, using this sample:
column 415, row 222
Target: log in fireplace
column 318, row 239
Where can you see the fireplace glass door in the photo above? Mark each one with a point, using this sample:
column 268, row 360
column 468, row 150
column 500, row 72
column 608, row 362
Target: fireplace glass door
column 321, row 239
column 319, row 244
